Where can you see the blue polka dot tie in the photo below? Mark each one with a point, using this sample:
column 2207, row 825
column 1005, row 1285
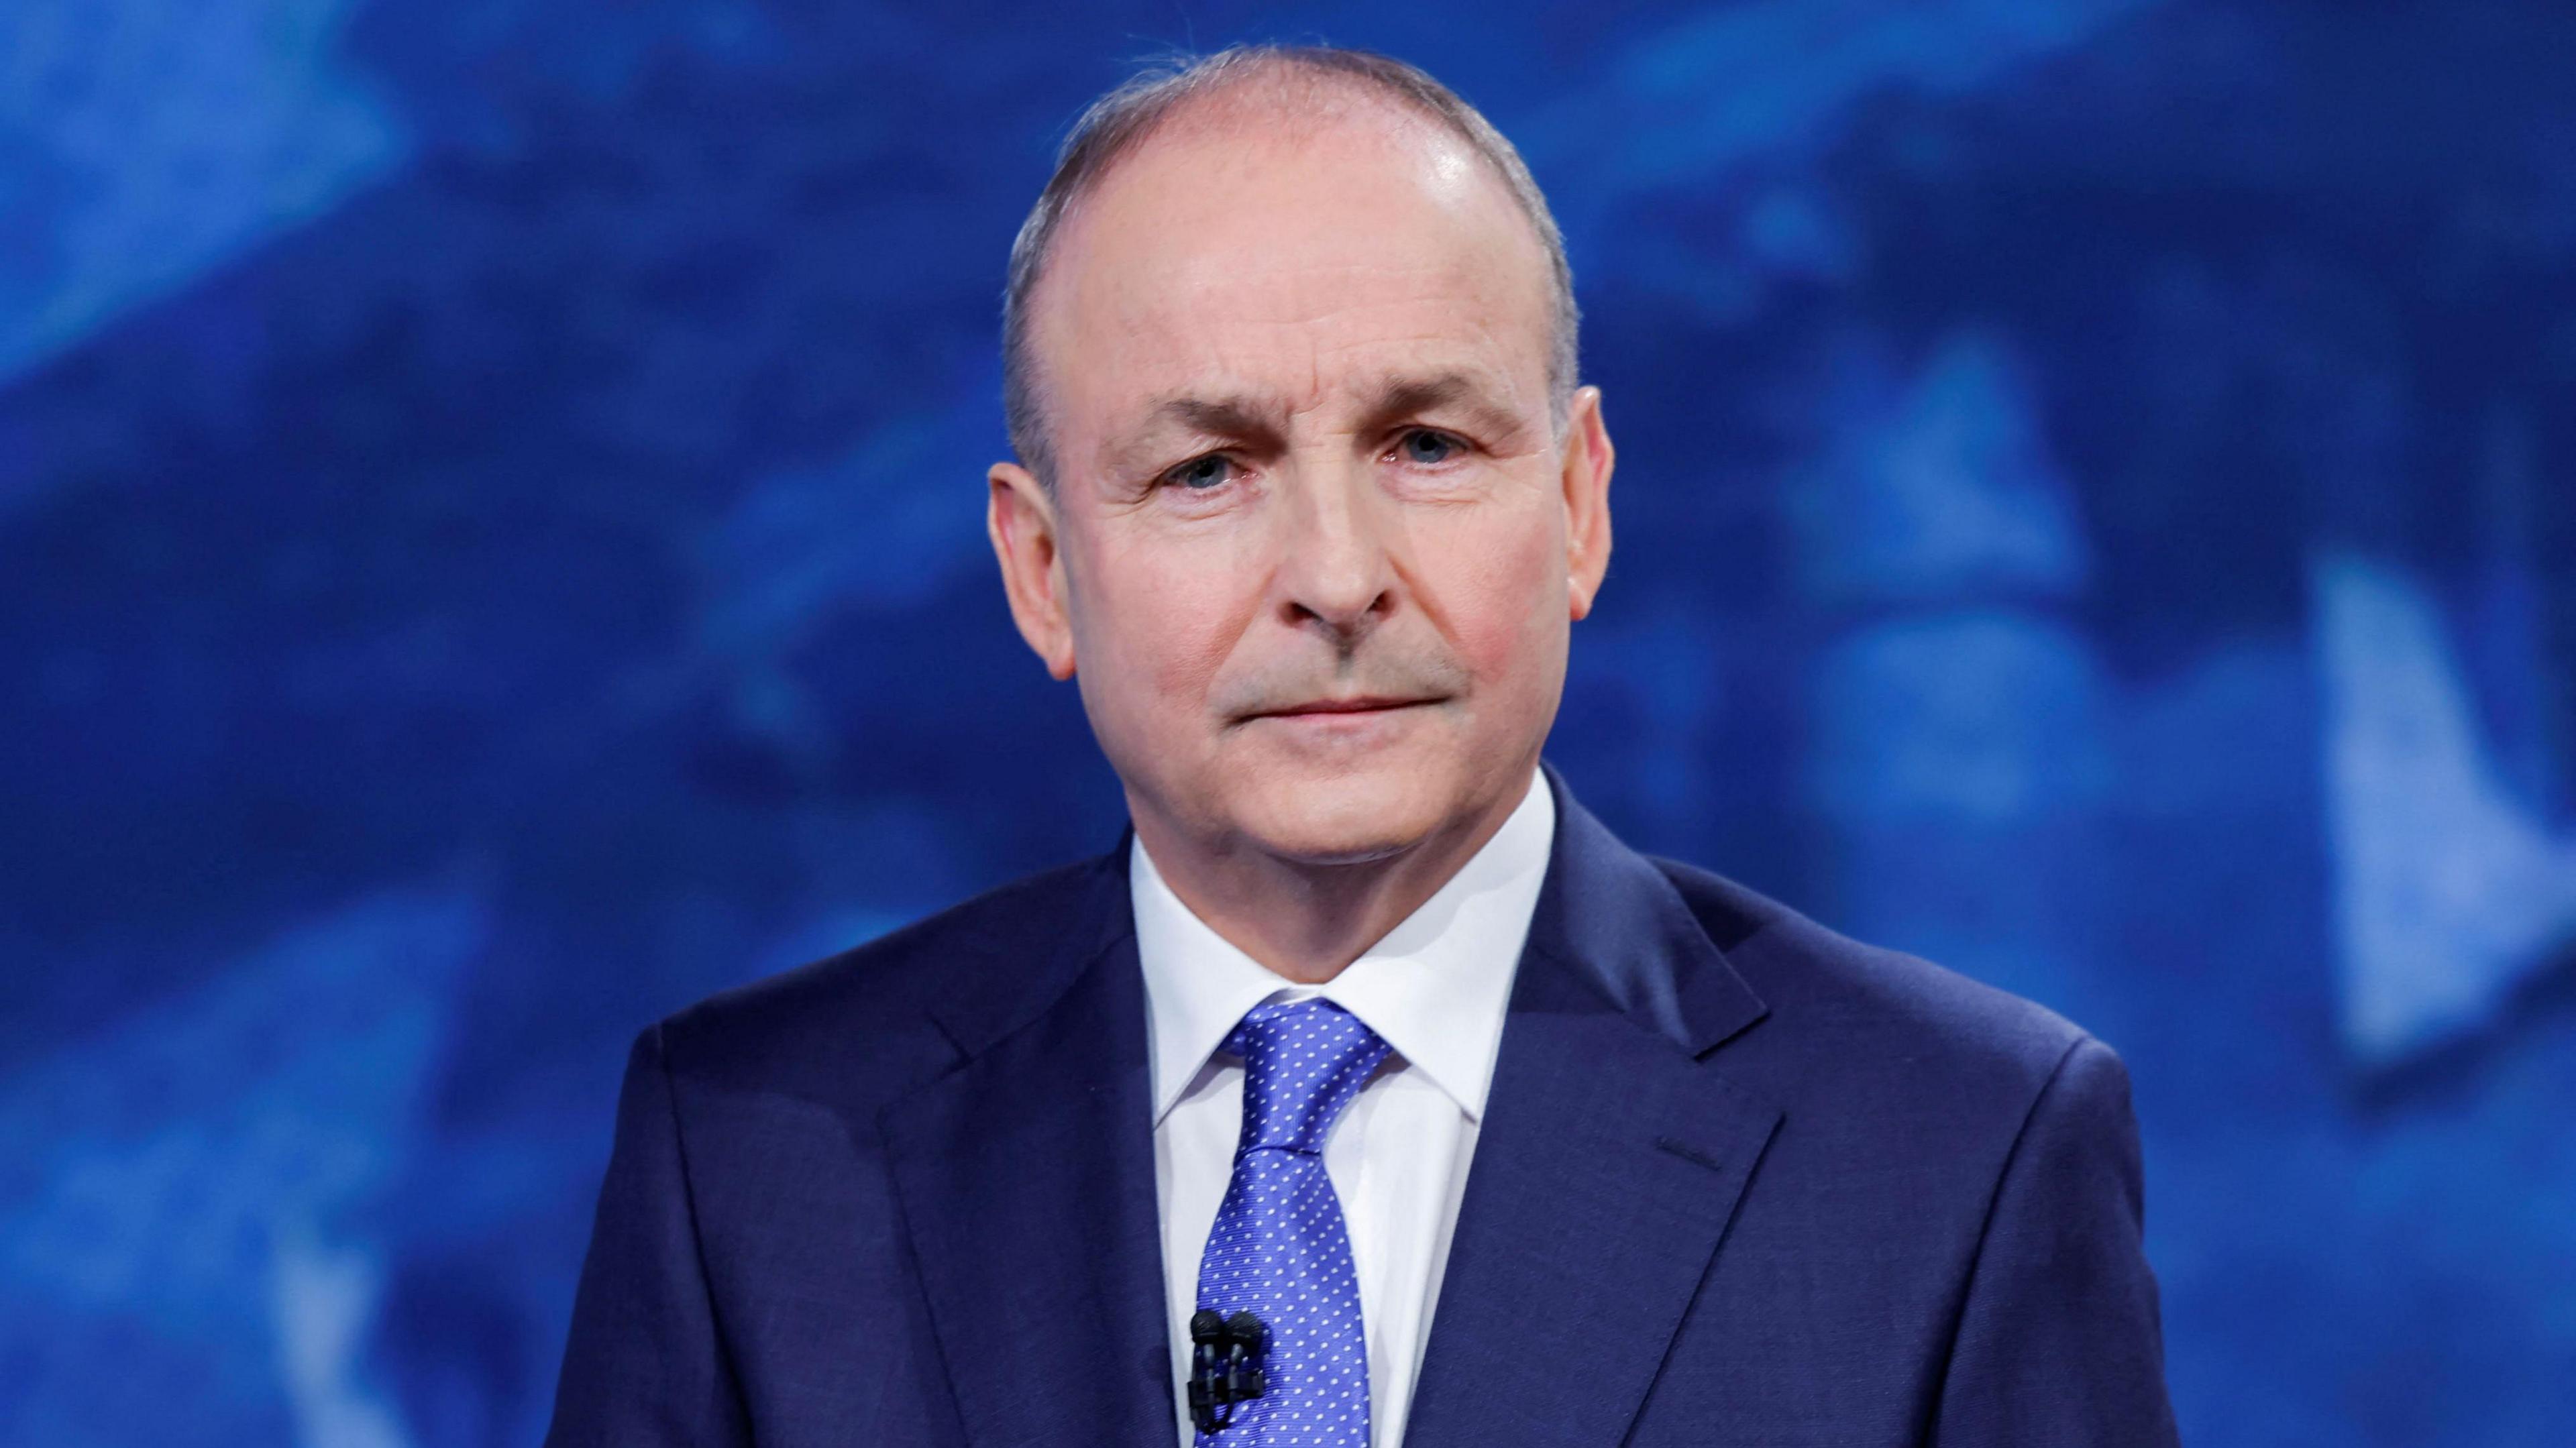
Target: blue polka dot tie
column 1280, row 1249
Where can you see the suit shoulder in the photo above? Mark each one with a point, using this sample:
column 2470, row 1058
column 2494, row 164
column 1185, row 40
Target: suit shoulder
column 1839, row 998
column 874, row 1007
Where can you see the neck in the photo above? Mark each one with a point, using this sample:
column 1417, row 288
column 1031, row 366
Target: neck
column 1306, row 922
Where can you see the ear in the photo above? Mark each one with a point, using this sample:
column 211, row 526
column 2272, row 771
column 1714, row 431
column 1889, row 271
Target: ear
column 1585, row 478
column 1020, row 516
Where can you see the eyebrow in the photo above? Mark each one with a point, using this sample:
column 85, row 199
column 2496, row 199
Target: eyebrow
column 1235, row 417
column 1398, row 398
column 1243, row 419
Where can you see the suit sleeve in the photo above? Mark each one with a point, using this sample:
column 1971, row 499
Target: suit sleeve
column 645, row 1367
column 2060, row 1340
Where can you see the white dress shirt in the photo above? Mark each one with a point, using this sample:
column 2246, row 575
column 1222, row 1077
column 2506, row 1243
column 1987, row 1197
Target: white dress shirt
column 1435, row 990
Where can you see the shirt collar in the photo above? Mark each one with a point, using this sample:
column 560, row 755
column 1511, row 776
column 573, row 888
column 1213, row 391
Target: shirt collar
column 1435, row 988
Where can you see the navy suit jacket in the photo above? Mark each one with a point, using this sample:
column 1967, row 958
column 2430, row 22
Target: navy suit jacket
column 1740, row 1181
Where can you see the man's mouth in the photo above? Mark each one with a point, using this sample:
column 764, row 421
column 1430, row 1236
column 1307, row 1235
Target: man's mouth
column 1357, row 704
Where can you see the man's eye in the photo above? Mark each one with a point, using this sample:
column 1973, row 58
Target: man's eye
column 1202, row 473
column 1422, row 445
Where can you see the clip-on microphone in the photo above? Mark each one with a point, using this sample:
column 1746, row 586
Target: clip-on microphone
column 1224, row 1366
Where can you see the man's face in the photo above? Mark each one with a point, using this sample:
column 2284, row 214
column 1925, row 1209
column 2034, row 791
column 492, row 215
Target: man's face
column 1315, row 540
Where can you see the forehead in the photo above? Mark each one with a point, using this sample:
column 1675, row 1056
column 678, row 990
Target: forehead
column 1290, row 255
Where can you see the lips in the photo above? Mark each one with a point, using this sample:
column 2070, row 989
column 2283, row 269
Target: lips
column 1364, row 704
column 1348, row 706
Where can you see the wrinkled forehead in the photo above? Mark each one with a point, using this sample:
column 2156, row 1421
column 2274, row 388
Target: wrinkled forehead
column 1304, row 262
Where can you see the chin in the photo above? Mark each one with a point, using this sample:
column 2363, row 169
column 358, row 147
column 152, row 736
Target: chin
column 1343, row 819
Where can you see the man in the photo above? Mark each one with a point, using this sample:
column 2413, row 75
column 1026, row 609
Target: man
column 1369, row 1060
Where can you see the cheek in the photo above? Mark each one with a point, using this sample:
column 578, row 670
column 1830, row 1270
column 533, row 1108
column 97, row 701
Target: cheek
column 1158, row 622
column 1500, row 583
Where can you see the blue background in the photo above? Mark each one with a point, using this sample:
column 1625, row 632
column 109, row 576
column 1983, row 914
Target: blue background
column 490, row 551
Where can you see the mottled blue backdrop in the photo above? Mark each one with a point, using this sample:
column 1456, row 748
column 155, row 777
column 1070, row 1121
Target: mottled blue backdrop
column 490, row 551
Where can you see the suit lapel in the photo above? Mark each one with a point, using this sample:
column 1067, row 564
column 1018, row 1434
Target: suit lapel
column 1027, row 1184
column 1608, row 1165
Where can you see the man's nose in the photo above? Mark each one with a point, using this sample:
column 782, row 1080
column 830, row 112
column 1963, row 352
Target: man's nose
column 1335, row 571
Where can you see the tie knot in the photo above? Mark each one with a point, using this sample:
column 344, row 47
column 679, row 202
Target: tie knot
column 1303, row 1061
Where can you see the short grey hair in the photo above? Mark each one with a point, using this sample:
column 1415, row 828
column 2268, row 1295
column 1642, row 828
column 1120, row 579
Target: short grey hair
column 1118, row 122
